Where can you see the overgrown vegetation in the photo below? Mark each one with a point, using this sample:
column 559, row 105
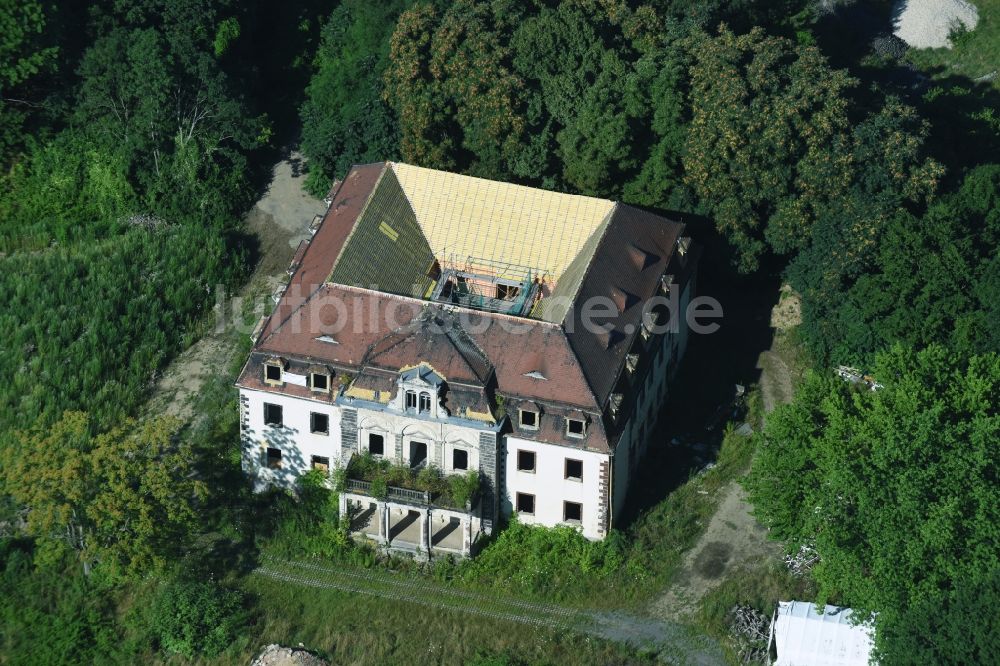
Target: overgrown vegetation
column 132, row 140
column 893, row 488
column 455, row 490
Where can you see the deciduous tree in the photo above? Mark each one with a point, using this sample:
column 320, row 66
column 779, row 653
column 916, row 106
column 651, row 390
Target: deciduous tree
column 894, row 488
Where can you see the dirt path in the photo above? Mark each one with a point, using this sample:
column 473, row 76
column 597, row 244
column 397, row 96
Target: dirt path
column 734, row 538
column 672, row 641
column 279, row 220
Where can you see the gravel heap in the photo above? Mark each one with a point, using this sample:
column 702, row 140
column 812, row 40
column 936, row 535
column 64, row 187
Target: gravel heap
column 927, row 24
column 276, row 655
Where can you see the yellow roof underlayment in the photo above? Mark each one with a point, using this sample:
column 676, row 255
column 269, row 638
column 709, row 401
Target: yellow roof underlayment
column 463, row 216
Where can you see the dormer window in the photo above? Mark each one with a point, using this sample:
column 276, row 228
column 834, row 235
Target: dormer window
column 420, row 390
column 529, row 419
column 576, row 427
column 665, row 282
column 631, row 362
column 273, row 370
column 319, row 382
column 615, row 404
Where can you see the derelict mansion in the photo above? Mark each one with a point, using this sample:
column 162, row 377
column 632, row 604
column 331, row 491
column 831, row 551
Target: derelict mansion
column 441, row 320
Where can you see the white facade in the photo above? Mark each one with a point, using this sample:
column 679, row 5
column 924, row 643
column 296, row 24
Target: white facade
column 416, row 428
column 549, row 486
column 298, row 445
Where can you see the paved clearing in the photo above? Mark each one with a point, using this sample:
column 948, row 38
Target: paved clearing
column 279, row 220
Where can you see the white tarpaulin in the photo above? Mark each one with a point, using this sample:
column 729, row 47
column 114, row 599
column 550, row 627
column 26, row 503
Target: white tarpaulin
column 802, row 637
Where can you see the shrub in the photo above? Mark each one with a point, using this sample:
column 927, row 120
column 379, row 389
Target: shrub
column 464, row 487
column 380, row 489
column 197, row 617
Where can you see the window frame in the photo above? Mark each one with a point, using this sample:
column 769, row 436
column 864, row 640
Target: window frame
column 566, row 474
column 312, row 382
column 381, row 444
column 424, row 404
column 583, row 428
column 410, row 396
column 566, row 518
column 277, row 365
column 280, row 423
column 520, row 418
column 312, row 423
column 534, row 461
column 517, row 503
column 314, row 463
column 272, row 461
column 464, row 452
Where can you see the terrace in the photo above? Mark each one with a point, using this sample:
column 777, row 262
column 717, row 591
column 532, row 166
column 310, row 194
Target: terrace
column 414, row 510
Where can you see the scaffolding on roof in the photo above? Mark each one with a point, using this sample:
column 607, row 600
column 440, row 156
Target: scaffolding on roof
column 488, row 285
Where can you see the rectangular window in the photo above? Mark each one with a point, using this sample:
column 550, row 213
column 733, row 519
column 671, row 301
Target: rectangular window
column 460, row 459
column 425, row 402
column 272, row 373
column 272, row 414
column 376, row 444
column 526, row 504
column 273, row 458
column 574, row 469
column 575, row 427
column 572, row 512
column 411, row 400
column 319, row 423
column 529, row 419
column 319, row 381
column 526, row 461
column 322, row 463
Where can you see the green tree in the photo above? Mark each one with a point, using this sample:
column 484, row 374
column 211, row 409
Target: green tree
column 125, row 499
column 451, row 85
column 24, row 54
column 768, row 145
column 345, row 120
column 196, row 617
column 156, row 93
column 918, row 279
column 895, row 488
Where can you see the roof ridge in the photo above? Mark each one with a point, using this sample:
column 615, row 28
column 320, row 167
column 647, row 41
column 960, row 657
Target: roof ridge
column 354, row 229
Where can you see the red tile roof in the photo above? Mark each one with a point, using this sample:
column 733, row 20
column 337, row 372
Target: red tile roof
column 560, row 365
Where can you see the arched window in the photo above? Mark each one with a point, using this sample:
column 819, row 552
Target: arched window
column 425, row 402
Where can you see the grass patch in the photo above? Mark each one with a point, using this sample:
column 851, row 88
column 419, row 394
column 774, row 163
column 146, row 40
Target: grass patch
column 975, row 53
column 350, row 628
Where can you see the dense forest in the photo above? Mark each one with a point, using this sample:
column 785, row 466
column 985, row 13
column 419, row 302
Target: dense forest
column 134, row 137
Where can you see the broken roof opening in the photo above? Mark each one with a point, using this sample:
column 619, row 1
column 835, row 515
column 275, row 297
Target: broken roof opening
column 491, row 286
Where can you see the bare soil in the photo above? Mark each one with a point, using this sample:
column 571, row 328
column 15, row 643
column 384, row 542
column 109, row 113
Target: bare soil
column 280, row 220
